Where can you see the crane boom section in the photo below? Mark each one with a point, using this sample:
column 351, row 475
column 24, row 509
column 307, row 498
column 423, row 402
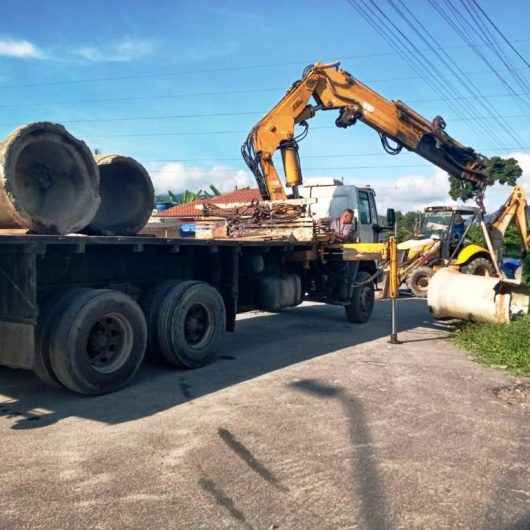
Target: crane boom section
column 327, row 87
column 514, row 207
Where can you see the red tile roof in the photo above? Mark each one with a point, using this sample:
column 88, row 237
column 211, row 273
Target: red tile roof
column 190, row 210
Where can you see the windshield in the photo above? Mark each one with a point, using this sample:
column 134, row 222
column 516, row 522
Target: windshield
column 435, row 223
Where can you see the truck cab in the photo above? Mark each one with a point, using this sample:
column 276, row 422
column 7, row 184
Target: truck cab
column 331, row 197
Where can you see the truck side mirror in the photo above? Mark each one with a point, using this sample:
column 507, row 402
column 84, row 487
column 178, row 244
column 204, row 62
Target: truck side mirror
column 391, row 217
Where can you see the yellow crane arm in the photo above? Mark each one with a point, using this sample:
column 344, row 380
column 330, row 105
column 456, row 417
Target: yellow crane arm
column 327, row 87
column 514, row 207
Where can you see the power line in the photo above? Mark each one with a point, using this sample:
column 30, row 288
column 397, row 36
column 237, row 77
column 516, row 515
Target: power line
column 304, row 156
column 147, row 75
column 510, row 44
column 428, row 38
column 247, row 91
column 342, row 168
column 233, row 114
column 489, row 38
column 416, row 59
column 230, row 131
column 455, row 21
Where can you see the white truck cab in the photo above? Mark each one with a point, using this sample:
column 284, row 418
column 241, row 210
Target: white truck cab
column 331, row 197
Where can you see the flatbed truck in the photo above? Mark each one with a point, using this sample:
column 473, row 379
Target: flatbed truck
column 82, row 311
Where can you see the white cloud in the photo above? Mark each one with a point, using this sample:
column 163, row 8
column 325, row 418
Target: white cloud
column 123, row 51
column 21, row 49
column 178, row 177
column 414, row 192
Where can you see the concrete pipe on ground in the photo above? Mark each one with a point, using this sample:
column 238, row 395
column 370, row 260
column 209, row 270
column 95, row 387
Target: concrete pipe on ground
column 452, row 294
column 127, row 197
column 49, row 180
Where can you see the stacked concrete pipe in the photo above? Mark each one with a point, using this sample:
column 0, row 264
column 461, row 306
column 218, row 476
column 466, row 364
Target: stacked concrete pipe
column 49, row 181
column 127, row 197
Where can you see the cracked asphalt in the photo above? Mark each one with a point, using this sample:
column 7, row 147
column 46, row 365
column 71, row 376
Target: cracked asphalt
column 304, row 422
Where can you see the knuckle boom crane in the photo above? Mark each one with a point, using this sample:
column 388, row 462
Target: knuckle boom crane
column 328, row 87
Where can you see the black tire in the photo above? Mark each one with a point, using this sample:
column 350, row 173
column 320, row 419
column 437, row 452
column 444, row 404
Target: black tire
column 49, row 312
column 418, row 281
column 151, row 302
column 362, row 301
column 479, row 266
column 192, row 324
column 99, row 342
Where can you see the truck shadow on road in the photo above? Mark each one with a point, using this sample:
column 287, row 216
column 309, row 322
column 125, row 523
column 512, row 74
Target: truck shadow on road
column 262, row 343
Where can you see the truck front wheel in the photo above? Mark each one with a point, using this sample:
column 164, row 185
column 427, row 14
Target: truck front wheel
column 361, row 307
column 99, row 341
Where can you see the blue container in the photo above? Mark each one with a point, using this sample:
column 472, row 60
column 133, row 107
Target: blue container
column 188, row 230
column 161, row 206
column 510, row 266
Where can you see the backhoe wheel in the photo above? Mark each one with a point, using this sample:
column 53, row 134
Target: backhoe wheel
column 479, row 267
column 192, row 324
column 99, row 341
column 418, row 281
column 361, row 307
column 151, row 302
column 49, row 311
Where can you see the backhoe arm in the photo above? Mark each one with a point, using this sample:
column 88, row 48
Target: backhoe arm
column 327, row 87
column 514, row 207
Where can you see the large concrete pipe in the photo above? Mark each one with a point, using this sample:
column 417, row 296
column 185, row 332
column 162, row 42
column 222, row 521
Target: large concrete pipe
column 49, row 180
column 452, row 294
column 127, row 197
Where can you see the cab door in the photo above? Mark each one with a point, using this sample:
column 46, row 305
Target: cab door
column 366, row 217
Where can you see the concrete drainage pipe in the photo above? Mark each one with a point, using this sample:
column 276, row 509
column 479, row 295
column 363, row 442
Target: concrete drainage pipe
column 127, row 197
column 49, row 180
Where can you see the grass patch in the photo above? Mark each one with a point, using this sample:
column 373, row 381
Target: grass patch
column 506, row 345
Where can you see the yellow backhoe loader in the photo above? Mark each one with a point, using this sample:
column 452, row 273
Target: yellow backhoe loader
column 441, row 240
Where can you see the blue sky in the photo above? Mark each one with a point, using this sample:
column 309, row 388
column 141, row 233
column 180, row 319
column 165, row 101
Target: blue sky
column 126, row 75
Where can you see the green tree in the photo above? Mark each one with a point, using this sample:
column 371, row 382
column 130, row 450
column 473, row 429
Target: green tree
column 497, row 169
column 407, row 224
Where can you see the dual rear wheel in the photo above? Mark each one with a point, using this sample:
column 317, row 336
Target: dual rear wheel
column 92, row 341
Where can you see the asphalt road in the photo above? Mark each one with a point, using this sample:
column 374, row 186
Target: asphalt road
column 305, row 422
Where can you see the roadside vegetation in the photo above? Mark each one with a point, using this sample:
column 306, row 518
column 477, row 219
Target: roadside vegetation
column 504, row 346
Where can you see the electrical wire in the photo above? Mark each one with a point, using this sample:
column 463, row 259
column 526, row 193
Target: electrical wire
column 335, row 155
column 454, row 19
column 241, row 131
column 430, row 41
column 150, row 75
column 489, row 39
column 396, row 38
column 501, row 34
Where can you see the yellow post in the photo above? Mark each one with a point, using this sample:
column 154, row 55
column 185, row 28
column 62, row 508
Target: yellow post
column 393, row 281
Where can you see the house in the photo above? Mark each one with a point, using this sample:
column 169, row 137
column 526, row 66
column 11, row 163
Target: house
column 167, row 223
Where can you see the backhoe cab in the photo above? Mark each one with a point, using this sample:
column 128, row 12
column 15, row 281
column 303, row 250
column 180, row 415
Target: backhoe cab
column 441, row 240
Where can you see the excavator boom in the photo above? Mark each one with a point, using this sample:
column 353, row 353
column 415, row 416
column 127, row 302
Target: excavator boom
column 516, row 208
column 327, row 87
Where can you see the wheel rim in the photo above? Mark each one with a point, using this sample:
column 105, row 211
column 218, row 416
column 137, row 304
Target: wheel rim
column 482, row 271
column 110, row 342
column 197, row 325
column 422, row 283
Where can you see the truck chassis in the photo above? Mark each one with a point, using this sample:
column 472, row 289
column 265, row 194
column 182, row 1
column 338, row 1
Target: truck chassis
column 81, row 311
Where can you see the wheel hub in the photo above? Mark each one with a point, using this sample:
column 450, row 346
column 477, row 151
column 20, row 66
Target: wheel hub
column 109, row 343
column 196, row 324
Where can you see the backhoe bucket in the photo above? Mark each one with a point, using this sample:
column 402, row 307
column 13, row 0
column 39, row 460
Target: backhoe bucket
column 452, row 294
